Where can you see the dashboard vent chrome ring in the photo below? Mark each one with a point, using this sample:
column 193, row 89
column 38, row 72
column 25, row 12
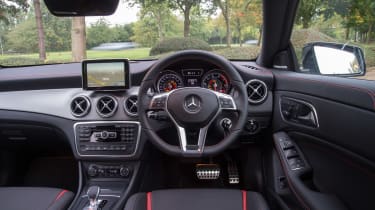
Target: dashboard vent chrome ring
column 106, row 106
column 257, row 91
column 80, row 106
column 131, row 105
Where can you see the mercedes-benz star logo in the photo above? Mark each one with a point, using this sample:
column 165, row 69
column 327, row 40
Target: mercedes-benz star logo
column 192, row 104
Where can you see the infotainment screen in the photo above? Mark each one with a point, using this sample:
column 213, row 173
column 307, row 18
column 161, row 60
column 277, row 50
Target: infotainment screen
column 112, row 74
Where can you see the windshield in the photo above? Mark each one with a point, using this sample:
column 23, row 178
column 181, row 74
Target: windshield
column 30, row 35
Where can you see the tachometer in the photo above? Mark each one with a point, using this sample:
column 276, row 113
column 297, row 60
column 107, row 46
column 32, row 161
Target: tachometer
column 168, row 82
column 216, row 81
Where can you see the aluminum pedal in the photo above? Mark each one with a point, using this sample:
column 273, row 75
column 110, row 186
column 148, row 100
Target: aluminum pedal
column 233, row 176
column 207, row 171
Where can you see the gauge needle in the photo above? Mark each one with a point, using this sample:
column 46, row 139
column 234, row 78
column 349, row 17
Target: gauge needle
column 215, row 85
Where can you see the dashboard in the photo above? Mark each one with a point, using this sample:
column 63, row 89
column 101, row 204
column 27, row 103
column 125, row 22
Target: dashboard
column 48, row 96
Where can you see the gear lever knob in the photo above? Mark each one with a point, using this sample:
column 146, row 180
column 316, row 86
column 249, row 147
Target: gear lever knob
column 93, row 195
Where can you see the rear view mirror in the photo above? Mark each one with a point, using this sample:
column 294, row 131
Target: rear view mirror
column 82, row 7
column 333, row 59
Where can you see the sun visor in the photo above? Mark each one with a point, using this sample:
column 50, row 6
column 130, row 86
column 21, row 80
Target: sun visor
column 82, row 7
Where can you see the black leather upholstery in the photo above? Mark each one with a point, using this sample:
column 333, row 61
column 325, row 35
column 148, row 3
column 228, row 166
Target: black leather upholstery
column 34, row 198
column 197, row 199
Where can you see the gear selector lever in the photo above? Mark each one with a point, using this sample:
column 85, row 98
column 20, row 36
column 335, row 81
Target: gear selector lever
column 93, row 195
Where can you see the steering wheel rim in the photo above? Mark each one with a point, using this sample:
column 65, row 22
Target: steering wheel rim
column 238, row 97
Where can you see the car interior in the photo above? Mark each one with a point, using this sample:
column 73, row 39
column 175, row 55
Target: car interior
column 189, row 131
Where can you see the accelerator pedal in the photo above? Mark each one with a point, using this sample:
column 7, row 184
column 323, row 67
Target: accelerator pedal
column 233, row 176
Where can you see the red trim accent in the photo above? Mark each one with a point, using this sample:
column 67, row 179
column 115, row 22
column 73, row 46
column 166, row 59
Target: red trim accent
column 244, row 200
column 60, row 194
column 149, row 199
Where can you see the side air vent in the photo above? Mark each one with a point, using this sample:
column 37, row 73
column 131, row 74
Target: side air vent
column 106, row 106
column 257, row 91
column 251, row 67
column 130, row 105
column 80, row 106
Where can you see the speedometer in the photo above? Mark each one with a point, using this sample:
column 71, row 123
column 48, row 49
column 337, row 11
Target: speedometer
column 168, row 82
column 216, row 81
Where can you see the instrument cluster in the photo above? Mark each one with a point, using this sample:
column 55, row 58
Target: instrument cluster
column 213, row 79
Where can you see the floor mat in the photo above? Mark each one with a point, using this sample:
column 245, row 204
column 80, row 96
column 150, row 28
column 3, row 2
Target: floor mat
column 59, row 172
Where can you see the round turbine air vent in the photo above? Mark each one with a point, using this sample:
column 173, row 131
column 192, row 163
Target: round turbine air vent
column 80, row 106
column 106, row 106
column 130, row 105
column 256, row 91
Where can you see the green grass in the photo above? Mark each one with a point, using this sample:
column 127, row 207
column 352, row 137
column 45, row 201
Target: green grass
column 235, row 52
column 62, row 57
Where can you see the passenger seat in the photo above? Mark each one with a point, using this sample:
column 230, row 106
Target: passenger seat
column 34, row 198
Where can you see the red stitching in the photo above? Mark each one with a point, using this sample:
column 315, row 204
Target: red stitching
column 300, row 199
column 57, row 198
column 342, row 158
column 363, row 90
column 61, row 194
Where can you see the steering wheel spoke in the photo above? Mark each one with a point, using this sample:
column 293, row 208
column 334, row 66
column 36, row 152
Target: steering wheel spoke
column 158, row 102
column 192, row 148
column 226, row 102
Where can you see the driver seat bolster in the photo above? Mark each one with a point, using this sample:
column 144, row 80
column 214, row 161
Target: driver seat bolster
column 197, row 199
column 20, row 198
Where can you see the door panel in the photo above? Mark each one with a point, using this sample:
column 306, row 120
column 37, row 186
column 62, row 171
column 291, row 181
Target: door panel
column 341, row 149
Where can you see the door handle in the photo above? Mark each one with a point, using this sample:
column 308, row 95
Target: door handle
column 299, row 112
column 308, row 119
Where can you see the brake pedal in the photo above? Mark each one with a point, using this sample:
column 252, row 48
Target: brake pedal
column 207, row 171
column 233, row 176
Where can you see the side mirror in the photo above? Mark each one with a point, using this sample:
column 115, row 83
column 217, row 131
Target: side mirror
column 333, row 59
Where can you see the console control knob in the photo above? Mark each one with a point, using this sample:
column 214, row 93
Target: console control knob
column 252, row 126
column 92, row 171
column 104, row 134
column 124, row 171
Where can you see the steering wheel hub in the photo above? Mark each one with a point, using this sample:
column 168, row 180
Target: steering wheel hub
column 192, row 107
column 192, row 104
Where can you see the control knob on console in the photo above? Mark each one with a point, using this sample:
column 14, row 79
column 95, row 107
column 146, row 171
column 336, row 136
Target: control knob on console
column 124, row 171
column 92, row 171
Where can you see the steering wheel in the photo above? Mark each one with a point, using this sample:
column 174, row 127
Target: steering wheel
column 193, row 108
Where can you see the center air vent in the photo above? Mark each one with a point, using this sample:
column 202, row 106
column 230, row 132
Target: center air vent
column 256, row 91
column 251, row 67
column 130, row 105
column 80, row 106
column 106, row 106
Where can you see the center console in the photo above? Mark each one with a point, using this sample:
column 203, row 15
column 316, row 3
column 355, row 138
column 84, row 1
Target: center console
column 107, row 148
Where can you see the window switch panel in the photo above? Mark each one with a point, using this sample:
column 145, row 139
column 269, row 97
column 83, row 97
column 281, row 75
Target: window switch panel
column 296, row 163
column 286, row 144
column 290, row 153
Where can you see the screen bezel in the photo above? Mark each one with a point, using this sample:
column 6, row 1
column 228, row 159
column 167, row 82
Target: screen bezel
column 126, row 74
